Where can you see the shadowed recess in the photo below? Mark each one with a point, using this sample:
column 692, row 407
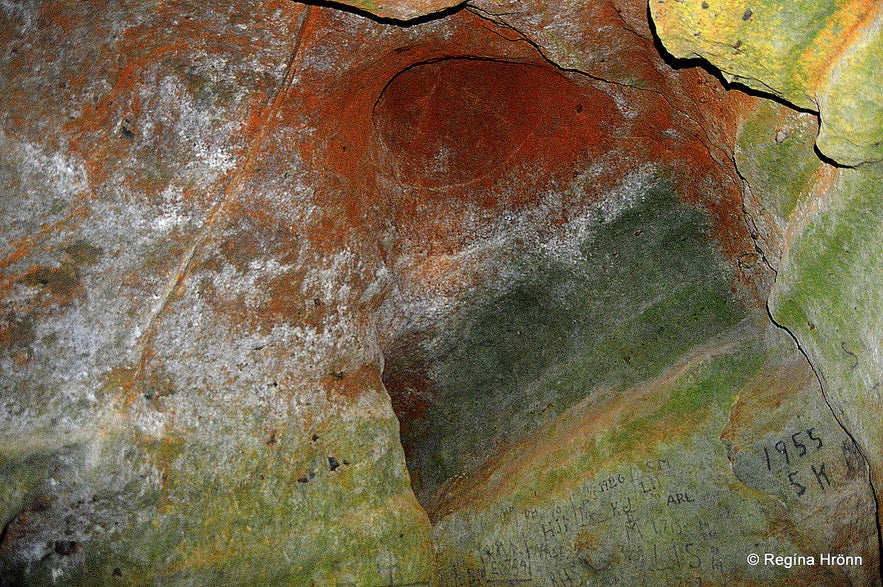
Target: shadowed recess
column 641, row 289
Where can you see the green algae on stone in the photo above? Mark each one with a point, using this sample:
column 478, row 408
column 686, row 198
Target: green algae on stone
column 276, row 514
column 646, row 286
column 645, row 494
column 774, row 153
column 760, row 44
column 828, row 295
column 77, row 504
column 852, row 101
column 823, row 56
column 308, row 521
column 20, row 477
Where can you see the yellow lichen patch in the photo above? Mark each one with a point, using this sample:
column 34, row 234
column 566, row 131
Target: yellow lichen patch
column 837, row 34
column 821, row 56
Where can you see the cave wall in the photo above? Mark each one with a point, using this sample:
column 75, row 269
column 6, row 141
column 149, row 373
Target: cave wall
column 271, row 273
column 819, row 224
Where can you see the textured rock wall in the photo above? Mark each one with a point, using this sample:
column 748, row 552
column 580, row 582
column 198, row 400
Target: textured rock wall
column 187, row 399
column 819, row 222
column 640, row 486
column 822, row 56
column 821, row 229
column 255, row 256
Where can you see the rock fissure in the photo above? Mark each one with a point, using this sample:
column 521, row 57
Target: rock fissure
column 837, row 417
column 229, row 190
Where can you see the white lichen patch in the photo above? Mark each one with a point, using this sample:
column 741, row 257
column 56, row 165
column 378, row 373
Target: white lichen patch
column 24, row 14
column 201, row 127
column 38, row 185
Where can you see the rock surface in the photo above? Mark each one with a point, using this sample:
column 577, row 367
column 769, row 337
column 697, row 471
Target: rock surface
column 639, row 487
column 822, row 56
column 826, row 296
column 819, row 225
column 398, row 10
column 294, row 296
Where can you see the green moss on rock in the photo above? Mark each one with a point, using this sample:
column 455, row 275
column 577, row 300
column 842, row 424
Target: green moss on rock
column 852, row 121
column 338, row 511
column 637, row 487
column 775, row 156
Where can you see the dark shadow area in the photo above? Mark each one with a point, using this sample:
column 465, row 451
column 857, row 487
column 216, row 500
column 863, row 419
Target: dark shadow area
column 828, row 160
column 386, row 20
column 643, row 290
column 681, row 63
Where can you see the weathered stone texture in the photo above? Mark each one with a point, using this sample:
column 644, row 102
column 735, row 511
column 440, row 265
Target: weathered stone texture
column 254, row 256
column 822, row 56
column 635, row 487
column 397, row 10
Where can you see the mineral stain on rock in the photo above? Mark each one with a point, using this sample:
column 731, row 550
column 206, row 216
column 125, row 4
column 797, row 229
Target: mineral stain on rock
column 429, row 293
column 17, row 333
column 66, row 547
column 60, row 284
